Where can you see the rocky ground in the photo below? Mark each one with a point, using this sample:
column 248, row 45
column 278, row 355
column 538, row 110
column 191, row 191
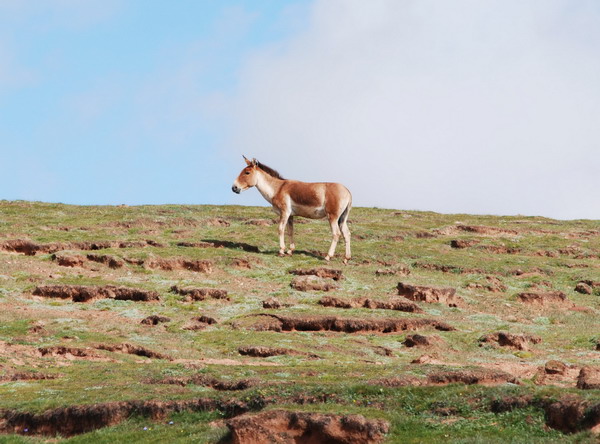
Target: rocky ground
column 179, row 323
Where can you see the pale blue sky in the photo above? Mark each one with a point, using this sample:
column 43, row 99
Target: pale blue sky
column 474, row 106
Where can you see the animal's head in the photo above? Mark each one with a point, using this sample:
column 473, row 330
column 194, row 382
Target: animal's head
column 247, row 178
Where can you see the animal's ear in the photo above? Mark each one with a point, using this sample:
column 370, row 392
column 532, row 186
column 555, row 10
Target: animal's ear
column 247, row 161
column 254, row 162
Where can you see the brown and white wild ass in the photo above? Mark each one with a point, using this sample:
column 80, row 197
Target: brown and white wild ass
column 294, row 198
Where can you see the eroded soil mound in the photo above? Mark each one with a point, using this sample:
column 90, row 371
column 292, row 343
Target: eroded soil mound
column 200, row 294
column 472, row 376
column 285, row 427
column 155, row 320
column 258, row 351
column 321, row 272
column 445, row 296
column 347, row 325
column 73, row 420
column 393, row 304
column 199, row 323
column 31, row 248
column 180, row 263
column 516, row 341
column 589, row 378
column 82, row 293
column 108, row 260
column 312, row 283
column 131, row 349
column 207, row 381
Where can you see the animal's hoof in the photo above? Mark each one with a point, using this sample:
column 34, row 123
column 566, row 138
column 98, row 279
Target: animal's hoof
column 281, row 253
column 289, row 252
column 346, row 261
column 327, row 258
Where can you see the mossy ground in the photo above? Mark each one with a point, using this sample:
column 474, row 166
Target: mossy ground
column 348, row 362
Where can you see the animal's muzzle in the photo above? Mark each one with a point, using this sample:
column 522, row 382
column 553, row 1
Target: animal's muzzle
column 235, row 189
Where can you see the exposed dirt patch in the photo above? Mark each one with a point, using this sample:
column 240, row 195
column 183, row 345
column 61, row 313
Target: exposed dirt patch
column 499, row 249
column 463, row 243
column 285, row 427
column 200, row 294
column 216, row 222
column 272, row 303
column 516, row 341
column 70, row 353
column 327, row 273
column 448, row 268
column 589, row 378
column 445, row 296
column 265, row 352
column 588, row 287
column 74, row 420
column 571, row 415
column 400, row 270
column 131, row 349
column 25, row 376
column 312, row 283
column 417, row 340
column 556, row 373
column 180, row 263
column 199, row 323
column 549, row 299
column 108, row 260
column 399, row 304
column 155, row 320
column 31, row 248
column 482, row 376
column 207, row 381
column 347, row 325
column 400, row 381
column 82, row 293
column 493, row 285
column 68, row 260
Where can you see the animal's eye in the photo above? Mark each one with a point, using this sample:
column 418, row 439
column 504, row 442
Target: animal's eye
column 247, row 172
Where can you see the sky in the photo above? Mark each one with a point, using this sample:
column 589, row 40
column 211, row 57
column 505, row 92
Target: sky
column 469, row 106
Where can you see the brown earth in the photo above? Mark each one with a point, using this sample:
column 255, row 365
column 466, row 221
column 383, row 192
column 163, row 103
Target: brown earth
column 155, row 320
column 285, row 427
column 74, row 420
column 556, row 299
column 200, row 294
column 258, row 351
column 180, row 263
column 207, row 381
column 347, row 325
column 68, row 260
column 482, row 376
column 199, row 323
column 271, row 303
column 445, row 296
column 516, row 341
column 417, row 340
column 400, row 270
column 589, row 378
column 131, row 349
column 493, row 285
column 312, row 283
column 82, row 293
column 448, row 268
column 322, row 272
column 399, row 304
column 31, row 248
column 108, row 260
column 463, row 243
column 259, row 222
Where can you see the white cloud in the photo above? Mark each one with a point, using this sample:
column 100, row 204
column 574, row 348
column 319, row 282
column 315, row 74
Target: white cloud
column 465, row 106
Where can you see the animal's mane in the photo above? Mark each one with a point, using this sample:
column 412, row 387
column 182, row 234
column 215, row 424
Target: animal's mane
column 270, row 171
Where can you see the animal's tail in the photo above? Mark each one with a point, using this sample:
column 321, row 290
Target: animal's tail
column 344, row 216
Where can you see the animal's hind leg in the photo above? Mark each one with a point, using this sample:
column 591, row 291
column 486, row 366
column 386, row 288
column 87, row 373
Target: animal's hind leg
column 283, row 220
column 346, row 234
column 290, row 233
column 335, row 231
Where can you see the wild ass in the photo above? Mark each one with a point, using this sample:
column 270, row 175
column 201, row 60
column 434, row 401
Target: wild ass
column 294, row 198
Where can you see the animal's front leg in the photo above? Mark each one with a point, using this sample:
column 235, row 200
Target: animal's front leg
column 290, row 233
column 282, row 224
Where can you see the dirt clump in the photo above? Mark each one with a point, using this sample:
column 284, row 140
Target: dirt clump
column 216, row 222
column 23, row 246
column 500, row 249
column 286, row 427
column 417, row 340
column 82, row 293
column 445, row 296
column 199, row 323
column 471, row 376
column 322, row 272
column 589, row 378
column 399, row 304
column 131, row 349
column 347, row 325
column 312, row 283
column 516, row 341
column 200, row 294
column 463, row 243
column 68, row 260
column 171, row 264
column 68, row 352
column 571, row 415
column 74, row 420
column 259, row 222
column 545, row 298
column 493, row 285
column 555, row 368
column 257, row 351
column 155, row 320
column 587, row 287
column 271, row 303
column 241, row 263
column 108, row 260
column 400, row 270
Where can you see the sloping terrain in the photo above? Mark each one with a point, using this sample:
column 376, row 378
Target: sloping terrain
column 178, row 323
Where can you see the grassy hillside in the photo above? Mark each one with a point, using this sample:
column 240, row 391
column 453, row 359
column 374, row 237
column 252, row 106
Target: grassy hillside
column 514, row 309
